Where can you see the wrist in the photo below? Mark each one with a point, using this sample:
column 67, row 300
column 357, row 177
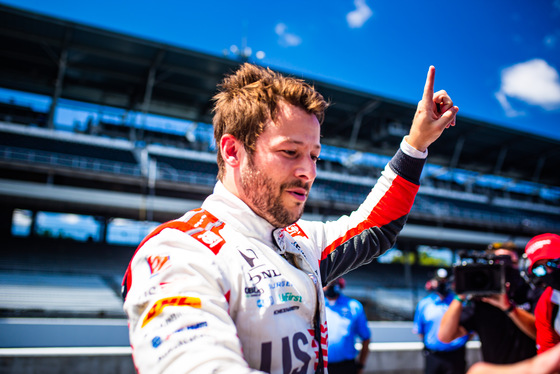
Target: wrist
column 408, row 148
column 510, row 309
column 459, row 299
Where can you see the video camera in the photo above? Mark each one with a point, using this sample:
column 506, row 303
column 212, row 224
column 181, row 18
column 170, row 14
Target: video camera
column 481, row 273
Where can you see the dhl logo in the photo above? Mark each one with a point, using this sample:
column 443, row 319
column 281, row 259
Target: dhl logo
column 157, row 308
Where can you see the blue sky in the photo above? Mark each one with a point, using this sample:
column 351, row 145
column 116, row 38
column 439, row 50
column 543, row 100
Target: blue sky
column 499, row 60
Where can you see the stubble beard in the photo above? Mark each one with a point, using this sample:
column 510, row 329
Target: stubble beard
column 266, row 198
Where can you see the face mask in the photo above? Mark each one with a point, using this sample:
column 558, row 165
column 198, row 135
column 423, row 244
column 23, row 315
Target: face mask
column 332, row 292
column 552, row 279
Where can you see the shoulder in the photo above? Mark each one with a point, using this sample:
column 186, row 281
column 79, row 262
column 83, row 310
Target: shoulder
column 352, row 303
column 428, row 299
column 198, row 224
column 548, row 297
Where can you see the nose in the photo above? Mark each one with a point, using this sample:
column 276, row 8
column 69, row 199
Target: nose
column 307, row 169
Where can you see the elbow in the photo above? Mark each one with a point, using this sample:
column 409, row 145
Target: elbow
column 443, row 337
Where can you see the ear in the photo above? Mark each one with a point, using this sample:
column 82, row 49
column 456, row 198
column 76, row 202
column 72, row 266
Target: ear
column 229, row 149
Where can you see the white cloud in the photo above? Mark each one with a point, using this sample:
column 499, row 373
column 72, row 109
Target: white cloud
column 286, row 39
column 534, row 82
column 360, row 15
column 508, row 109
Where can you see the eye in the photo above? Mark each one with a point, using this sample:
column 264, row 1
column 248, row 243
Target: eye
column 289, row 152
column 315, row 158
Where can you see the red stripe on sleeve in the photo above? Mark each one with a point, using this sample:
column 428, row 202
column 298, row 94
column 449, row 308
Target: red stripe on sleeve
column 394, row 204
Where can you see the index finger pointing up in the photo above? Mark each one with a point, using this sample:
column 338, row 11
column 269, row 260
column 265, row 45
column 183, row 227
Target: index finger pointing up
column 429, row 87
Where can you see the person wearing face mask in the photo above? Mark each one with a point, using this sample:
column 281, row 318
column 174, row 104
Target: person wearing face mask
column 543, row 255
column 504, row 322
column 347, row 322
column 440, row 358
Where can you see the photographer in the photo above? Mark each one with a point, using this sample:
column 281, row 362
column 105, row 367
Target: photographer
column 543, row 254
column 503, row 321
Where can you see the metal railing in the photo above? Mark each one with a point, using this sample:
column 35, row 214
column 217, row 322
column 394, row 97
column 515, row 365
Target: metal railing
column 54, row 159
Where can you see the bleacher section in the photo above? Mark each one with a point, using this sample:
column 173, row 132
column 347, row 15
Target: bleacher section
column 14, row 113
column 61, row 278
column 444, row 203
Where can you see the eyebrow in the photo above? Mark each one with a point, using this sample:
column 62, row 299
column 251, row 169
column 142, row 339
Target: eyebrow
column 298, row 142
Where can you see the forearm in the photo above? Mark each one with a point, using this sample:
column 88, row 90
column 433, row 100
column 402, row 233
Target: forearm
column 362, row 356
column 450, row 327
column 372, row 229
column 545, row 363
column 524, row 320
column 487, row 368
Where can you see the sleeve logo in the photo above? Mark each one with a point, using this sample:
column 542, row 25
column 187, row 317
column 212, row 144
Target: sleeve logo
column 158, row 263
column 157, row 308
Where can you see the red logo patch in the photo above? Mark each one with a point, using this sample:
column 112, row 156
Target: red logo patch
column 158, row 263
column 294, row 230
column 209, row 230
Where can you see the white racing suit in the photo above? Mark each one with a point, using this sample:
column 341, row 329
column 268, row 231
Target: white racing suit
column 222, row 291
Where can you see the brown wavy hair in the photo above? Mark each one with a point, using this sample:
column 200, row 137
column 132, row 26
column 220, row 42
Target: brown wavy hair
column 248, row 98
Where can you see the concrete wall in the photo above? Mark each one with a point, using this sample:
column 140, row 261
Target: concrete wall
column 384, row 358
column 406, row 358
column 102, row 360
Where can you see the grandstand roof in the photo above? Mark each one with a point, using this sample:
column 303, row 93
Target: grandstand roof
column 108, row 68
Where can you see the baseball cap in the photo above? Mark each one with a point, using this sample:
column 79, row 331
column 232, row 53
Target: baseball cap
column 541, row 247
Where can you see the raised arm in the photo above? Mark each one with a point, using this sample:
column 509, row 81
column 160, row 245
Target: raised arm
column 449, row 328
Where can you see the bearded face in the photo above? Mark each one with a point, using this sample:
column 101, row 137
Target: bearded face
column 267, row 197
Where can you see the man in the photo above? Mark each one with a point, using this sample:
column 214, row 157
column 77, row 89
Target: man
column 440, row 358
column 236, row 286
column 543, row 255
column 504, row 322
column 347, row 322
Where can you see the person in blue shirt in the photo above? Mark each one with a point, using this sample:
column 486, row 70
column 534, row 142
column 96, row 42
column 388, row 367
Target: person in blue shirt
column 440, row 358
column 347, row 322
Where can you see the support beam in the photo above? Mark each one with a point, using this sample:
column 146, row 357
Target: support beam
column 150, row 82
column 457, row 152
column 500, row 160
column 370, row 107
column 539, row 168
column 62, row 65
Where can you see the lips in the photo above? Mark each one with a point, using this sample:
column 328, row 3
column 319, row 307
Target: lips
column 298, row 193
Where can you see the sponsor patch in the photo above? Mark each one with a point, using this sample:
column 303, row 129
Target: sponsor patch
column 294, row 230
column 288, row 296
column 158, row 340
column 158, row 263
column 157, row 308
column 285, row 310
column 206, row 229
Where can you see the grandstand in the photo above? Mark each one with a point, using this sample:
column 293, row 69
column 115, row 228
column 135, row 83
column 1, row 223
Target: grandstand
column 126, row 137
